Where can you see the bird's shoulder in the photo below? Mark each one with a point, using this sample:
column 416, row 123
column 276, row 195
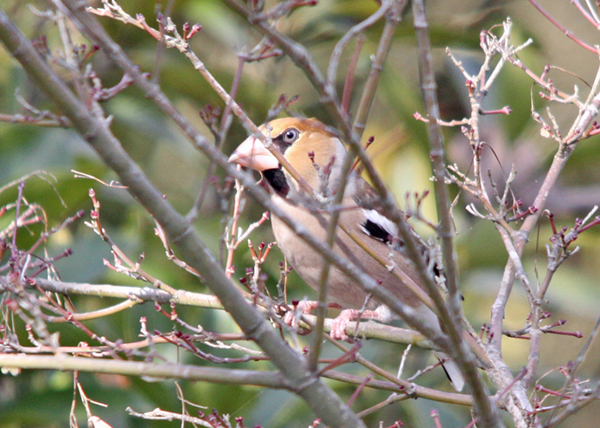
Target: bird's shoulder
column 368, row 216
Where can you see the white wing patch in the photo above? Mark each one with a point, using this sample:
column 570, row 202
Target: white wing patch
column 380, row 221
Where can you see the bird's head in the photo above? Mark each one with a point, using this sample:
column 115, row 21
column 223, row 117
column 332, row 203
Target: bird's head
column 313, row 151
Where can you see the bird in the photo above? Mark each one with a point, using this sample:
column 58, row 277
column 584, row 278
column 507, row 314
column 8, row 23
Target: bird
column 316, row 154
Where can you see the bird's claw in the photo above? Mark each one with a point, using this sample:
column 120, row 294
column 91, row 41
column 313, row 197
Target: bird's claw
column 339, row 324
column 298, row 309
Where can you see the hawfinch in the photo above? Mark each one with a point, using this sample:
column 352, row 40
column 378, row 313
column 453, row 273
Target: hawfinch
column 317, row 156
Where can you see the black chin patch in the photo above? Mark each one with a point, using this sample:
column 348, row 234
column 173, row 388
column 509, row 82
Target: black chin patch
column 276, row 178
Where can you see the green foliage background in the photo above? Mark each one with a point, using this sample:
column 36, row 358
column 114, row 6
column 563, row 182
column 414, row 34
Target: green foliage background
column 36, row 399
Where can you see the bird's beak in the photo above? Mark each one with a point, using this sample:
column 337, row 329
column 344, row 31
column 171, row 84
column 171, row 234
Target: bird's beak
column 253, row 154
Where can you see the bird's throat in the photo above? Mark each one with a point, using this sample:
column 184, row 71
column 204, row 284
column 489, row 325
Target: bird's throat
column 276, row 178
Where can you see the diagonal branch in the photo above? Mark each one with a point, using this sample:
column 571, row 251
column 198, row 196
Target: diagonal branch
column 324, row 402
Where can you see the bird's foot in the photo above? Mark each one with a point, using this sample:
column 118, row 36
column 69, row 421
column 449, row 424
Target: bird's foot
column 299, row 308
column 339, row 324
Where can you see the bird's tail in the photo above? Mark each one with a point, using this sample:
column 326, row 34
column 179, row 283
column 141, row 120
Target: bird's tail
column 451, row 368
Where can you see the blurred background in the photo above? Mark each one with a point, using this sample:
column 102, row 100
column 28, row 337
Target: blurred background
column 39, row 398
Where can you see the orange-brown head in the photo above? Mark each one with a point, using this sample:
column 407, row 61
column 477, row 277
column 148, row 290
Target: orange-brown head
column 305, row 143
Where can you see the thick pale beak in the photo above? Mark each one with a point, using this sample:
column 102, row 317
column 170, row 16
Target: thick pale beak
column 253, row 154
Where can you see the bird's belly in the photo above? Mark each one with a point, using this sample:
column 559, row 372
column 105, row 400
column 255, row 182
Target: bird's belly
column 308, row 263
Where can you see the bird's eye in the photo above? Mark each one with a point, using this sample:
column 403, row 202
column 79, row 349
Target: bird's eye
column 290, row 135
